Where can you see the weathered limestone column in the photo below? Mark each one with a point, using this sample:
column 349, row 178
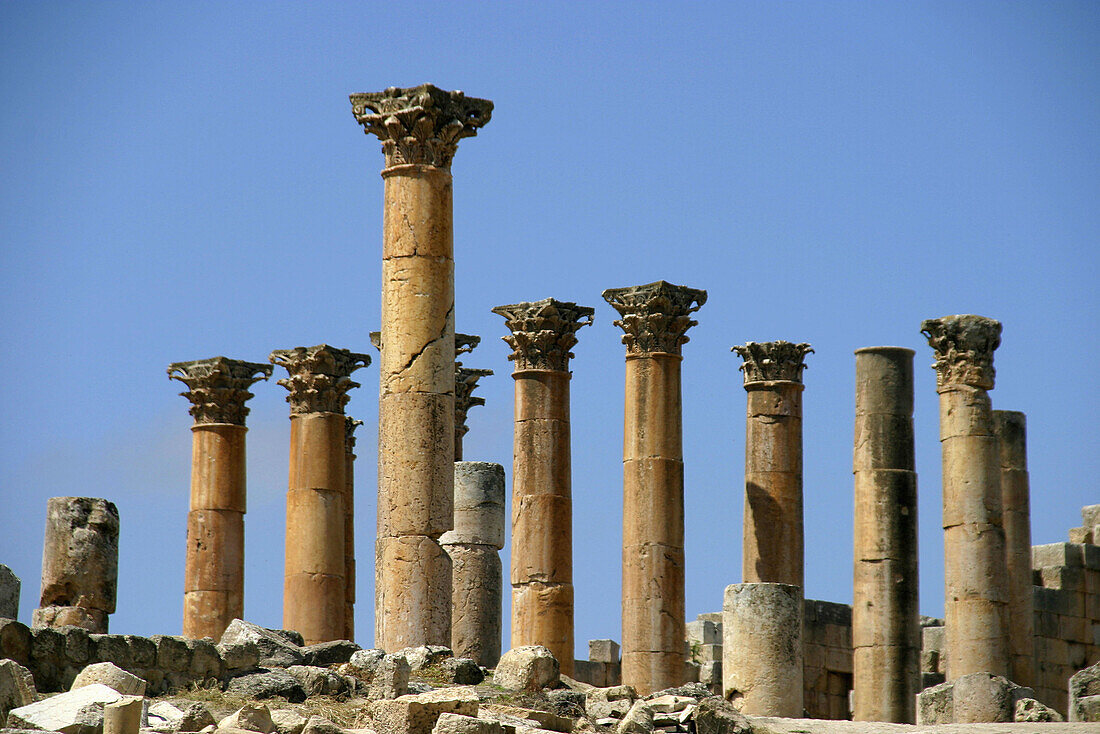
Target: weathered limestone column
column 474, row 547
column 213, row 592
column 655, row 319
column 465, row 383
column 314, row 585
column 79, row 564
column 1010, row 427
column 772, row 548
column 420, row 128
column 350, row 424
column 976, row 603
column 542, row 333
column 762, row 649
column 886, row 634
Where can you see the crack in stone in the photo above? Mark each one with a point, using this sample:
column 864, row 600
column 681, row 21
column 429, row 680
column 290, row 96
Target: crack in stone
column 416, row 355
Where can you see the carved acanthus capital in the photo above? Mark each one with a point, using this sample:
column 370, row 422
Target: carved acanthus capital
column 218, row 387
column 466, row 343
column 655, row 317
column 319, row 377
column 422, row 124
column 543, row 332
column 779, row 361
column 964, row 347
column 350, row 424
column 465, row 383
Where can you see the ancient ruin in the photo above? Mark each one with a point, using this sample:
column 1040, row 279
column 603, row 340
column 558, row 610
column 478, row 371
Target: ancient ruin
column 350, row 424
column 218, row 389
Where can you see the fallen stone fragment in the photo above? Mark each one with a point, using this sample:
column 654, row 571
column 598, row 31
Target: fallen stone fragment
column 66, row 712
column 112, row 676
column 418, row 714
column 334, row 652
column 638, row 720
column 273, row 648
column 364, row 662
column 425, row 656
column 288, row 721
column 16, row 688
column 268, row 684
column 1030, row 710
column 123, row 716
column 971, row 699
column 321, row 725
column 669, row 703
column 15, row 641
column 251, row 717
column 318, row 681
column 196, row 717
column 390, row 679
column 462, row 671
column 609, row 703
column 459, row 724
column 717, row 716
column 1084, row 694
column 544, row 719
column 527, row 668
column 163, row 717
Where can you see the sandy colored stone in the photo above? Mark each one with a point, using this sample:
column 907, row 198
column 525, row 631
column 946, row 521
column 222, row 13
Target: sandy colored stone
column 527, row 668
column 61, row 712
column 762, row 649
column 542, row 544
column 9, row 593
column 93, row 620
column 215, row 553
column 415, row 568
column 477, row 579
column 111, row 675
column 544, row 611
column 218, row 467
column 478, row 504
column 654, row 512
column 80, row 555
column 123, row 717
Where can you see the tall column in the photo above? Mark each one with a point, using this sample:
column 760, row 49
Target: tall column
column 542, row 333
column 350, row 424
column 1010, row 428
column 886, row 633
column 655, row 319
column 213, row 592
column 474, row 547
column 420, row 128
column 79, row 564
column 976, row 603
column 314, row 585
column 772, row 548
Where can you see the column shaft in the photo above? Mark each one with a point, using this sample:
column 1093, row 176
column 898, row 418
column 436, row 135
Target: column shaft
column 762, row 649
column 885, row 614
column 772, row 549
column 314, row 585
column 1011, row 430
column 416, row 408
column 653, row 629
column 350, row 424
column 542, row 515
column 214, row 571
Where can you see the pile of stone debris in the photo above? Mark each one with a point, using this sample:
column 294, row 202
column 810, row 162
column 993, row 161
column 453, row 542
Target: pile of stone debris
column 426, row 690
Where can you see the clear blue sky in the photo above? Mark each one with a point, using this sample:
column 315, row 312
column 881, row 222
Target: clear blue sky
column 183, row 181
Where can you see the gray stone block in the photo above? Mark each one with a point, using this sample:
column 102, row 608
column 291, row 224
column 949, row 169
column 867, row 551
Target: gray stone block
column 9, row 593
column 603, row 651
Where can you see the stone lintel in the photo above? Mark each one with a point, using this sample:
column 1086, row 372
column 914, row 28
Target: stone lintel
column 778, row 361
column 964, row 346
column 318, row 378
column 420, row 125
column 543, row 332
column 655, row 317
column 218, row 387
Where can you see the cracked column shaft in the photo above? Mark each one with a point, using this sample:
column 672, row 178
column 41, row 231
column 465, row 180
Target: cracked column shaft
column 885, row 619
column 772, row 550
column 542, row 333
column 315, row 580
column 419, row 128
column 1011, row 429
column 654, row 319
column 976, row 598
column 214, row 571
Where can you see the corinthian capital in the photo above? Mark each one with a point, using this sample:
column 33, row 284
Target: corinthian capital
column 318, row 378
column 465, row 384
column 350, row 424
column 543, row 332
column 218, row 387
column 773, row 361
column 964, row 348
column 656, row 316
column 422, row 124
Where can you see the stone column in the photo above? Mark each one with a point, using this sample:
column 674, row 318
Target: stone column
column 762, row 649
column 886, row 634
column 655, row 319
column 314, row 585
column 772, row 548
column 976, row 604
column 1010, row 427
column 474, row 545
column 420, row 128
column 79, row 564
column 350, row 424
column 213, row 592
column 542, row 333
column 465, row 383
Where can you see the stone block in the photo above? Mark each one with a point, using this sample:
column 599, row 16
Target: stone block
column 172, row 652
column 253, row 717
column 334, row 652
column 1057, row 554
column 9, row 593
column 1084, row 694
column 67, row 712
column 1090, row 514
column 702, row 632
column 123, row 716
column 1080, row 535
column 591, row 673
column 613, row 702
column 273, row 647
column 288, row 721
column 716, row 716
column 459, row 724
column 424, row 656
column 1046, row 624
column 1071, row 578
column 16, row 688
column 838, row 659
column 971, row 699
column 317, row 681
column 709, row 654
column 205, row 661
column 527, row 668
column 268, row 684
column 112, row 676
column 390, row 678
column 15, row 641
column 605, row 651
column 1073, row 629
